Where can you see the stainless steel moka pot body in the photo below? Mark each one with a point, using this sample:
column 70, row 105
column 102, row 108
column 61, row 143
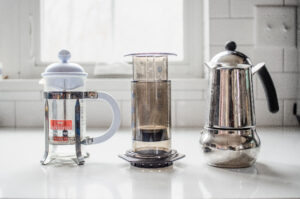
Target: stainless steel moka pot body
column 229, row 138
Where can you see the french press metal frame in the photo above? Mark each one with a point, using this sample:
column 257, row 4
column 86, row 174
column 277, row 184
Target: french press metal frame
column 64, row 95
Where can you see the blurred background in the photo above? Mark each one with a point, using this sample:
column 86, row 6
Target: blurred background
column 100, row 32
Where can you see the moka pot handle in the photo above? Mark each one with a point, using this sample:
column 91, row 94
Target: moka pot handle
column 268, row 86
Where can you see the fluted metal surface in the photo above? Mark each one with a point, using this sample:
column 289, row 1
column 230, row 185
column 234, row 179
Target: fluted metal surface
column 231, row 98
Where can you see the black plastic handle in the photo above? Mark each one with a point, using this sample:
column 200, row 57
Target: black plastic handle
column 269, row 88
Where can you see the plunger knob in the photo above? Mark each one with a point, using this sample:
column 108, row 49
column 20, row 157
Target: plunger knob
column 64, row 56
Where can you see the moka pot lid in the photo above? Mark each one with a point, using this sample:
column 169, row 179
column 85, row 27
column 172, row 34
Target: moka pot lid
column 230, row 57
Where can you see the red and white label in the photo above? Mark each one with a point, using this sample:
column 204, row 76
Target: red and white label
column 61, row 124
column 60, row 139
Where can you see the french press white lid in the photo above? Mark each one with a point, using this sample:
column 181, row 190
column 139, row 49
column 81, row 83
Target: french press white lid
column 64, row 75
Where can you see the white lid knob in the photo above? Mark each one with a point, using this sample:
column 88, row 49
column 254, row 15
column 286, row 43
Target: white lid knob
column 64, row 56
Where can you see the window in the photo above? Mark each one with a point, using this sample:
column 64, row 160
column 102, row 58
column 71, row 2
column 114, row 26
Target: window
column 105, row 30
column 100, row 32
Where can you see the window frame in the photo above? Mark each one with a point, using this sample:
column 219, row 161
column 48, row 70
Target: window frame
column 193, row 34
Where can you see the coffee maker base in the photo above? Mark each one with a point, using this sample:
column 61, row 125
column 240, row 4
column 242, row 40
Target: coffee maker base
column 61, row 160
column 64, row 154
column 230, row 148
column 144, row 161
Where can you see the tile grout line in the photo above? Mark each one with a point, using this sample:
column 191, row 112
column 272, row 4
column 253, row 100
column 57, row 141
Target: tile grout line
column 282, row 124
column 256, row 89
column 175, row 114
column 230, row 18
column 229, row 8
column 283, row 61
column 20, row 41
column 242, row 45
column 264, row 99
column 121, row 113
column 15, row 116
column 297, row 27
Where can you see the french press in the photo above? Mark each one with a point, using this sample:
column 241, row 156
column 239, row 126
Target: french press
column 151, row 112
column 65, row 115
column 229, row 138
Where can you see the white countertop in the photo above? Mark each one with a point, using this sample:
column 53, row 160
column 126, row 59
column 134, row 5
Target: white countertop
column 276, row 173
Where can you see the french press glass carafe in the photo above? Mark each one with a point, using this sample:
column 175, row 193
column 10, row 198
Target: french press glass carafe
column 151, row 112
column 65, row 117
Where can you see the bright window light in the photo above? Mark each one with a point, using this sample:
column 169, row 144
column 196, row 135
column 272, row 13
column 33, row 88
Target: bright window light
column 105, row 30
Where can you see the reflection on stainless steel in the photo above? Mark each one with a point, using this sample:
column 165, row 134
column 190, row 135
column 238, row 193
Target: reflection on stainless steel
column 79, row 158
column 230, row 148
column 71, row 95
column 46, row 157
column 231, row 98
column 229, row 138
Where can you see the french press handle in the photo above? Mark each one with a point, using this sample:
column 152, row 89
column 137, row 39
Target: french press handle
column 115, row 124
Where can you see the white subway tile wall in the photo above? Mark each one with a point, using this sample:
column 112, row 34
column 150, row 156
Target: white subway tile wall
column 173, row 113
column 98, row 113
column 290, row 59
column 20, row 95
column 190, row 113
column 272, row 56
column 21, row 103
column 245, row 8
column 275, row 26
column 219, row 8
column 29, row 113
column 126, row 113
column 226, row 29
column 285, row 83
column 264, row 117
column 291, row 2
column 289, row 117
column 275, row 45
column 8, row 113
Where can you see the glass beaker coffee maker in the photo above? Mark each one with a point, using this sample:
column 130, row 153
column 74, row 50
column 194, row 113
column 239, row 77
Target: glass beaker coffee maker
column 65, row 117
column 151, row 112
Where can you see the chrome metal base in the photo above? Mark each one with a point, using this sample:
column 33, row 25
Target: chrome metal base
column 230, row 148
column 144, row 161
column 79, row 160
column 46, row 158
